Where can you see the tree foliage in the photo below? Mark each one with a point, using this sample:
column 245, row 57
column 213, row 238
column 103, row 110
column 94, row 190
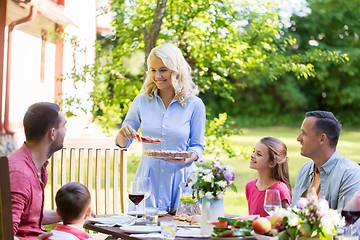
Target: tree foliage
column 332, row 25
column 239, row 51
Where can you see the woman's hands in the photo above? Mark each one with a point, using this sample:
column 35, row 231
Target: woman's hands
column 125, row 133
column 180, row 161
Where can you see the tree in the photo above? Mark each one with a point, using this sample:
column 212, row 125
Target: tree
column 231, row 45
column 332, row 25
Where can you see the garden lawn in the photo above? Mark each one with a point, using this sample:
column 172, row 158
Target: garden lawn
column 235, row 203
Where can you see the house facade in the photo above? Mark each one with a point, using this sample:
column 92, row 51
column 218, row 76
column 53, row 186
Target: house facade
column 37, row 52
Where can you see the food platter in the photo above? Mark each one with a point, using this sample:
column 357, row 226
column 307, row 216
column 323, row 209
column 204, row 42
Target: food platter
column 262, row 237
column 167, row 154
column 177, row 158
column 232, row 228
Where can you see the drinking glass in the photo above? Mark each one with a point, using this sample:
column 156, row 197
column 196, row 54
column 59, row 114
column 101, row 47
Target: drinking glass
column 168, row 229
column 136, row 194
column 350, row 212
column 151, row 212
column 145, row 183
column 272, row 200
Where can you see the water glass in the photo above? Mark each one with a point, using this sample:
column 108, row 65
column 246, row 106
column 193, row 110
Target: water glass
column 151, row 211
column 151, row 216
column 272, row 200
column 168, row 229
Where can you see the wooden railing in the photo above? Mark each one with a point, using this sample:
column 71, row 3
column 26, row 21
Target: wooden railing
column 98, row 164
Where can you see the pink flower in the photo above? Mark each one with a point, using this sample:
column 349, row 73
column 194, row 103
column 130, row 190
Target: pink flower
column 322, row 207
column 230, row 176
column 302, row 203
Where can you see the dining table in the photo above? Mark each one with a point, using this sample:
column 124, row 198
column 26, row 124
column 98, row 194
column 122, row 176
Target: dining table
column 115, row 232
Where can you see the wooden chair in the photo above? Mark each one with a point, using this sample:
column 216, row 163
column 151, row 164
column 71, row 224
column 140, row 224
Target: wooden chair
column 6, row 223
column 105, row 176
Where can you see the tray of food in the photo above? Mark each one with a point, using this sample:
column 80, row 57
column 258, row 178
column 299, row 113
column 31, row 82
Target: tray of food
column 232, row 228
column 174, row 154
column 185, row 220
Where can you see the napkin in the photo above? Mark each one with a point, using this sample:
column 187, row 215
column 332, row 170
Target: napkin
column 112, row 221
column 190, row 233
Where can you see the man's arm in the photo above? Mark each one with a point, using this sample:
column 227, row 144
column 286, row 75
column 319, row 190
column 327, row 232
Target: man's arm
column 350, row 183
column 50, row 217
column 19, row 187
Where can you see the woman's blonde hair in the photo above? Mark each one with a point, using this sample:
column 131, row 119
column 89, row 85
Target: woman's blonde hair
column 181, row 79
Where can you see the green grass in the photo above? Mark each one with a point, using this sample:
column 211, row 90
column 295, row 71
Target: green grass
column 235, row 203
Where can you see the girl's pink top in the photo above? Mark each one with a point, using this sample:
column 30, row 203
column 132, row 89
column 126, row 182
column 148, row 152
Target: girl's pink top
column 256, row 198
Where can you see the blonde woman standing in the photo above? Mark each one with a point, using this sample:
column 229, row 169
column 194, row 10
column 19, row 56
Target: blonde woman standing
column 167, row 108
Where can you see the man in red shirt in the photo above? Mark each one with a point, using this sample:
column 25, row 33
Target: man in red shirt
column 44, row 126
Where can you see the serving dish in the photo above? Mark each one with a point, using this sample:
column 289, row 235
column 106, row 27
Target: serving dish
column 188, row 226
column 229, row 238
column 164, row 154
column 262, row 237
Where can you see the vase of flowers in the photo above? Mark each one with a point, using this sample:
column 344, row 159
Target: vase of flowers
column 209, row 183
column 311, row 218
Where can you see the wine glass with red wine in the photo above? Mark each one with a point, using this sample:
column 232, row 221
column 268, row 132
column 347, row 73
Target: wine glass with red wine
column 350, row 212
column 136, row 194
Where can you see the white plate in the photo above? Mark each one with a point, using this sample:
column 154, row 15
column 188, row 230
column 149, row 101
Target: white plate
column 188, row 226
column 116, row 219
column 226, row 238
column 133, row 213
column 140, row 229
column 162, row 213
column 190, row 233
column 262, row 237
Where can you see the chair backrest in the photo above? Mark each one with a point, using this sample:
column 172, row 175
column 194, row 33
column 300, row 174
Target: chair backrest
column 6, row 223
column 105, row 176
